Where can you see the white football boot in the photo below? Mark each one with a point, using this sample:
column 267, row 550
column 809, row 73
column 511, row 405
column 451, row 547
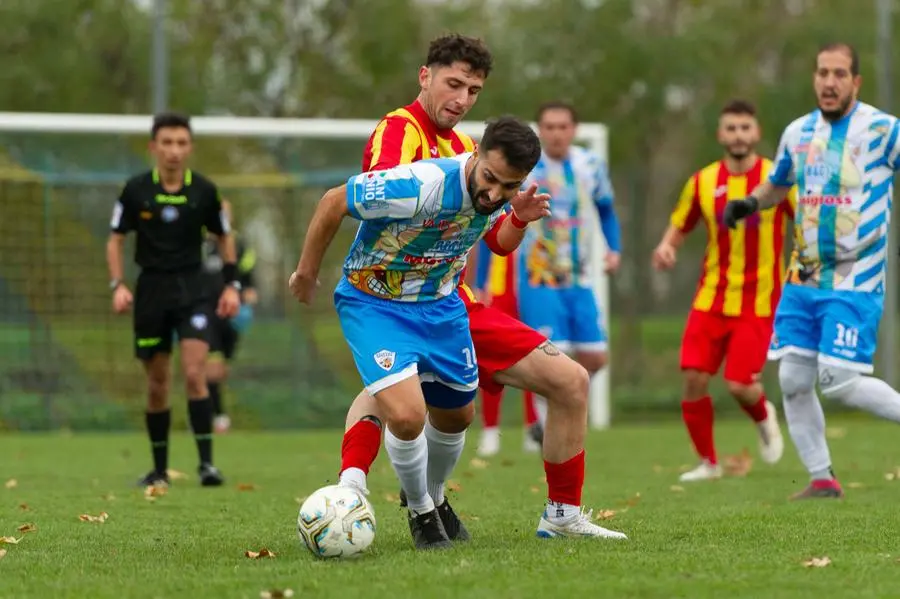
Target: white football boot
column 771, row 443
column 579, row 525
column 704, row 471
column 489, row 442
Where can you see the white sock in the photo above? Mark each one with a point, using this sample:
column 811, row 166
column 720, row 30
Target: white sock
column 410, row 462
column 444, row 451
column 353, row 477
column 875, row 396
column 540, row 408
column 490, row 432
column 806, row 424
column 560, row 512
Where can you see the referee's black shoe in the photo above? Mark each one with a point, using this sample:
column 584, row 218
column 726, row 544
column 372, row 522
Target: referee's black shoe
column 210, row 476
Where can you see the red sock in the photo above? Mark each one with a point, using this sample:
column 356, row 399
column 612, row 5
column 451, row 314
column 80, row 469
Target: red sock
column 490, row 408
column 530, row 412
column 565, row 481
column 360, row 446
column 757, row 411
column 698, row 417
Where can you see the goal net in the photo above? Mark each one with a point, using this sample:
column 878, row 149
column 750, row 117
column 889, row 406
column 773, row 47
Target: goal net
column 67, row 360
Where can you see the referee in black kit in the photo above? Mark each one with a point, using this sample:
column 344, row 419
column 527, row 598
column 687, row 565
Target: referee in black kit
column 168, row 208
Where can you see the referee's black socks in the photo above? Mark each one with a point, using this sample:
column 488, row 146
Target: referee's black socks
column 158, row 429
column 215, row 397
column 201, row 415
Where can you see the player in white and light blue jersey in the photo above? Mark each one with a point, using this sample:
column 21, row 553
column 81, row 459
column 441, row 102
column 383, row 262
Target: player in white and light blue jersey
column 842, row 157
column 555, row 292
column 405, row 324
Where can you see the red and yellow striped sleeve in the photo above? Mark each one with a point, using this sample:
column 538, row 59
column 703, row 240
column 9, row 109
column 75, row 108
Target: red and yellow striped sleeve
column 395, row 141
column 687, row 212
column 790, row 204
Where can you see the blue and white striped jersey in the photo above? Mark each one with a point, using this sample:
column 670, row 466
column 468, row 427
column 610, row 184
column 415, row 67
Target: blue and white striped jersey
column 419, row 223
column 844, row 175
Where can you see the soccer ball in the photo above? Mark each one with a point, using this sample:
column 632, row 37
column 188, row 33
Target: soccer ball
column 336, row 522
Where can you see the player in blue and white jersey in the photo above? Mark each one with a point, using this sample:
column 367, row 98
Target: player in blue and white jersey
column 555, row 292
column 842, row 157
column 397, row 303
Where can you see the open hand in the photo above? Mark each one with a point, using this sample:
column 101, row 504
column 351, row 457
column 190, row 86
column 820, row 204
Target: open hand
column 529, row 205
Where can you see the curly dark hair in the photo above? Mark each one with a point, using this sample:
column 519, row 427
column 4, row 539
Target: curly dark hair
column 446, row 50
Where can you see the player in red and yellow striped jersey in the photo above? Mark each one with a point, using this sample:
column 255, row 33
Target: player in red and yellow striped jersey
column 740, row 284
column 508, row 352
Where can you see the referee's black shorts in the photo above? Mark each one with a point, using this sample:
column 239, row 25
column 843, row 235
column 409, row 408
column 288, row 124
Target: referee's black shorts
column 166, row 304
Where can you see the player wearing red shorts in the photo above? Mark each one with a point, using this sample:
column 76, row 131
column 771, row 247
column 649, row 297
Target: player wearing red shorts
column 739, row 288
column 495, row 281
column 508, row 352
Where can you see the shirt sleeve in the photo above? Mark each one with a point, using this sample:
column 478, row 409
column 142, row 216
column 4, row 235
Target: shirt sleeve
column 215, row 220
column 482, row 264
column 687, row 210
column 124, row 216
column 790, row 205
column 603, row 199
column 782, row 173
column 892, row 147
column 395, row 141
column 398, row 193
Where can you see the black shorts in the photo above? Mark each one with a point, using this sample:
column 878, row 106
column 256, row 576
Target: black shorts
column 223, row 339
column 166, row 304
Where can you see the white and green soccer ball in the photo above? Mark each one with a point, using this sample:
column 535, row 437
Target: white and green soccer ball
column 336, row 522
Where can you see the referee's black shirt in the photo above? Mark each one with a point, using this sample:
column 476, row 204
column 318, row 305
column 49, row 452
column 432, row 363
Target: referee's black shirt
column 169, row 226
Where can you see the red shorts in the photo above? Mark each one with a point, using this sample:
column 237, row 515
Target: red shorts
column 500, row 340
column 741, row 341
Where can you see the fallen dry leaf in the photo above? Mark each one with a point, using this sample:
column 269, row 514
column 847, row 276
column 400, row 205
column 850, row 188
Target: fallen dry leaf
column 658, row 469
column 738, row 465
column 478, row 463
column 246, row 487
column 835, row 432
column 889, row 476
column 855, row 485
column 468, row 517
column 454, row 486
column 24, row 507
column 11, row 483
column 818, row 562
column 604, row 514
column 259, row 554
column 176, row 475
column 676, row 488
column 27, row 528
column 2, row 553
column 276, row 594
column 300, row 500
column 535, row 490
column 392, row 497
column 97, row 519
column 154, row 491
column 633, row 501
column 9, row 541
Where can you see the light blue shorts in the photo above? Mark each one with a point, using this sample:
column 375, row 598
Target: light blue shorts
column 392, row 341
column 837, row 327
column 569, row 317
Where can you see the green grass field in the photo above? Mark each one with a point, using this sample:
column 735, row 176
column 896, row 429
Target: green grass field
column 737, row 537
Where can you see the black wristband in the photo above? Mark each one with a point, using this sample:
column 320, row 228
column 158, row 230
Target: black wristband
column 754, row 203
column 229, row 271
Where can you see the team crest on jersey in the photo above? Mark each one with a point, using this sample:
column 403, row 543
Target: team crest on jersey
column 385, row 359
column 169, row 214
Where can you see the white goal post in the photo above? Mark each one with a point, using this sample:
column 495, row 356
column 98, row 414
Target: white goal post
column 592, row 135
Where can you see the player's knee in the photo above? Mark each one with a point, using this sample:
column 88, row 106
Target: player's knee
column 696, row 384
column 796, row 376
column 572, row 384
column 837, row 383
column 407, row 421
column 195, row 379
column 742, row 391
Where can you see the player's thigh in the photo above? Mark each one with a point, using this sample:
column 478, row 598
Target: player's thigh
column 796, row 329
column 384, row 338
column 449, row 357
column 500, row 342
column 748, row 344
column 850, row 323
column 585, row 322
column 542, row 309
column 703, row 342
column 151, row 321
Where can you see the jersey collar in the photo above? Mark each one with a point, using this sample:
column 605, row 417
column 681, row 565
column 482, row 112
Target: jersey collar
column 188, row 176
